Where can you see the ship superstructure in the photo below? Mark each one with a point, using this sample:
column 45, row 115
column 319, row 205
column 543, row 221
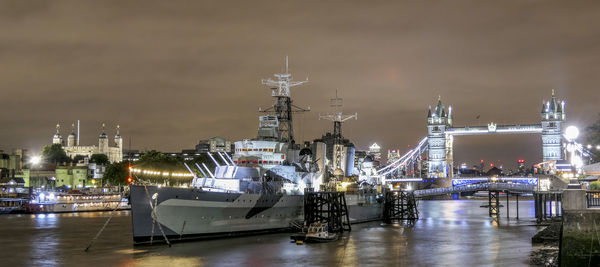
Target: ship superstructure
column 259, row 188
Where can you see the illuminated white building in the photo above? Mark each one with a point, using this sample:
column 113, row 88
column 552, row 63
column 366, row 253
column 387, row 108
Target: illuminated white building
column 72, row 147
column 393, row 155
column 375, row 150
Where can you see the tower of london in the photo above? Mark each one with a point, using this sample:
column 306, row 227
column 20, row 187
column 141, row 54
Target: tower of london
column 72, row 147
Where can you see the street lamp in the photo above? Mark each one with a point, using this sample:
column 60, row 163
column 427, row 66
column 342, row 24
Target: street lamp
column 571, row 133
column 35, row 160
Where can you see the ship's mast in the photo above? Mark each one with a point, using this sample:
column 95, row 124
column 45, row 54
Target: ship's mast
column 338, row 118
column 283, row 106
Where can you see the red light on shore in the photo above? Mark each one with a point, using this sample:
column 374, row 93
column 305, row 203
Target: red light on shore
column 129, row 179
column 491, row 165
column 521, row 161
column 481, row 160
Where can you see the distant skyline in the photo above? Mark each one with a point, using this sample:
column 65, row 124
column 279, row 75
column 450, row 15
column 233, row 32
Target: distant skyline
column 175, row 72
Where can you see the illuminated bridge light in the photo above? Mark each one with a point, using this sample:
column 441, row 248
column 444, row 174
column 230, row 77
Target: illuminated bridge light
column 475, row 180
column 405, row 180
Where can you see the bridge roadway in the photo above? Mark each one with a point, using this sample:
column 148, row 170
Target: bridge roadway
column 509, row 187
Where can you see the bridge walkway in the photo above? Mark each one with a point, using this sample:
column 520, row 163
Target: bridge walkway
column 509, row 187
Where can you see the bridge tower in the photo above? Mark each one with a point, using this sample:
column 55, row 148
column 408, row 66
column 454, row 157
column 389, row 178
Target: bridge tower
column 440, row 144
column 553, row 115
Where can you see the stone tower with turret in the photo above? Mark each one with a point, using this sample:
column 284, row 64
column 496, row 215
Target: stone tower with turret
column 103, row 142
column 118, row 139
column 438, row 121
column 119, row 142
column 72, row 138
column 553, row 115
column 57, row 139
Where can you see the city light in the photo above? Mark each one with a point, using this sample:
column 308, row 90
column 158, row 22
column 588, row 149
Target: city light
column 161, row 173
column 577, row 161
column 35, row 160
column 571, row 133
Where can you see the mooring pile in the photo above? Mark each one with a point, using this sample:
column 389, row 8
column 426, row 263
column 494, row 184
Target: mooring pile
column 400, row 206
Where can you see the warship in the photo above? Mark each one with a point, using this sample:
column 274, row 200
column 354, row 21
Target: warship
column 258, row 189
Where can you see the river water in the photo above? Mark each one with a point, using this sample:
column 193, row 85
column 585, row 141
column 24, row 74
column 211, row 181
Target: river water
column 449, row 233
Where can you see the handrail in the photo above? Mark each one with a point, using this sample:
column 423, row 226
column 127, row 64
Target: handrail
column 476, row 187
column 592, row 198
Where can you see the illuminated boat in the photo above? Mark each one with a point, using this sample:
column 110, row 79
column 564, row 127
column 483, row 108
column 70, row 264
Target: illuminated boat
column 53, row 202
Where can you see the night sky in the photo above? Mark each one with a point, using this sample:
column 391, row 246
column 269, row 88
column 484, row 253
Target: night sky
column 174, row 72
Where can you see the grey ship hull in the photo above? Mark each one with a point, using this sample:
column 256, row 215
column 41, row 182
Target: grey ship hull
column 192, row 213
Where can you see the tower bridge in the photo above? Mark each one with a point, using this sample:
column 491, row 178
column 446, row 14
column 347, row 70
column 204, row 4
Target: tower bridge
column 434, row 153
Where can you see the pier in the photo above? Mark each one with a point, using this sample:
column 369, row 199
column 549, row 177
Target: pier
column 400, row 206
column 327, row 207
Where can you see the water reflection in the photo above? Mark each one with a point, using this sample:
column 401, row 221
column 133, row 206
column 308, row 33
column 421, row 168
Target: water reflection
column 43, row 242
column 449, row 233
column 45, row 221
column 156, row 260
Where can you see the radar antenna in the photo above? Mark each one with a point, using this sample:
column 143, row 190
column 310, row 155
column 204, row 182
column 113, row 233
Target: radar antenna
column 337, row 117
column 283, row 107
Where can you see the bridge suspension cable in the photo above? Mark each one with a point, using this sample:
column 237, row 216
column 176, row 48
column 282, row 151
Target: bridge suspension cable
column 404, row 158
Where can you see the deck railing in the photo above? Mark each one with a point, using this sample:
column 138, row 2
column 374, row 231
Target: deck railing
column 593, row 198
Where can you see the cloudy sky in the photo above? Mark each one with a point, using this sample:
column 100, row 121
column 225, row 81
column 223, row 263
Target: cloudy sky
column 173, row 72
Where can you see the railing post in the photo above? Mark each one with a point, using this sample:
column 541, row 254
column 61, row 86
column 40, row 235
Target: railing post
column 587, row 199
column 544, row 206
column 550, row 204
column 490, row 203
column 517, row 206
column 507, row 206
column 536, row 202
